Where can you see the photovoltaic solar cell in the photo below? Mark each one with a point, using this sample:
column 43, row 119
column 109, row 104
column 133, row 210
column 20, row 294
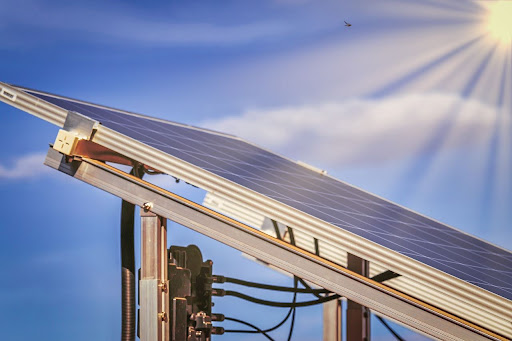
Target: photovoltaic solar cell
column 420, row 238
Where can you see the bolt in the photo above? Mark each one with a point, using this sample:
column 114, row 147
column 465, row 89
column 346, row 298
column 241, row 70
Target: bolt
column 147, row 206
column 163, row 286
column 162, row 316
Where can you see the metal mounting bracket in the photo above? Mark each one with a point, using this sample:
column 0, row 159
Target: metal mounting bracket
column 80, row 125
column 76, row 127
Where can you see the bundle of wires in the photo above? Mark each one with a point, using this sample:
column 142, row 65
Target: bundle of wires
column 292, row 305
column 322, row 296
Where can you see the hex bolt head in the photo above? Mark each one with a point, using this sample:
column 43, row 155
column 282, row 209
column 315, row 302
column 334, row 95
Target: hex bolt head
column 147, row 206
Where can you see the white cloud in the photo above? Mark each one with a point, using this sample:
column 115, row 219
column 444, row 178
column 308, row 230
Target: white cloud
column 27, row 166
column 366, row 131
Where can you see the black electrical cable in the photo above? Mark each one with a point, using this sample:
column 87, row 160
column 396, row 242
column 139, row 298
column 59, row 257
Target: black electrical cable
column 292, row 324
column 398, row 337
column 277, row 325
column 283, row 321
column 280, row 304
column 307, row 290
column 316, row 293
column 258, row 330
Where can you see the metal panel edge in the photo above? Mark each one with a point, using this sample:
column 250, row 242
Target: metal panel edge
column 35, row 106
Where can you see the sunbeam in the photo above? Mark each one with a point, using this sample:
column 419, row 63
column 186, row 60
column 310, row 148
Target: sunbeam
column 450, row 76
column 467, row 91
column 477, row 68
column 478, row 29
column 419, row 72
column 447, row 130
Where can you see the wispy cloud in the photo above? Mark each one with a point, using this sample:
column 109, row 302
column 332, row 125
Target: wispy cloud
column 366, row 131
column 127, row 25
column 27, row 166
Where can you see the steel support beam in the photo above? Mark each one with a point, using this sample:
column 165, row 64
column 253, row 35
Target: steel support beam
column 379, row 297
column 358, row 316
column 154, row 306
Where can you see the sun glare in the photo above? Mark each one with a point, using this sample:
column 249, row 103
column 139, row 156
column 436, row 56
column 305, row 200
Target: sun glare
column 499, row 20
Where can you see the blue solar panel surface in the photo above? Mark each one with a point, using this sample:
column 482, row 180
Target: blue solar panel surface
column 330, row 200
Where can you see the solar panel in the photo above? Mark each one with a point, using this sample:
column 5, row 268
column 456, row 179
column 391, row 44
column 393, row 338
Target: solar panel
column 450, row 269
column 390, row 225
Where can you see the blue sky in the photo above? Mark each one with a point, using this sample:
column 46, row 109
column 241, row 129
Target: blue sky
column 413, row 103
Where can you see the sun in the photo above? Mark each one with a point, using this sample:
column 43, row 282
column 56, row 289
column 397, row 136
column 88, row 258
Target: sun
column 499, row 20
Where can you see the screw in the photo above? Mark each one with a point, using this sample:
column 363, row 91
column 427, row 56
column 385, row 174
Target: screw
column 147, row 206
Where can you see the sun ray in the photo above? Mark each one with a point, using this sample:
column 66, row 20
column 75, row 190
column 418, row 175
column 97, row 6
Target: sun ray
column 446, row 130
column 507, row 91
column 500, row 98
column 431, row 10
column 447, row 76
column 490, row 81
column 457, row 6
column 498, row 183
column 415, row 63
column 493, row 80
column 425, row 69
column 468, row 90
column 491, row 173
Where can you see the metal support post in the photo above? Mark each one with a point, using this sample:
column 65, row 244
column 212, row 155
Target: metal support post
column 332, row 321
column 358, row 316
column 154, row 306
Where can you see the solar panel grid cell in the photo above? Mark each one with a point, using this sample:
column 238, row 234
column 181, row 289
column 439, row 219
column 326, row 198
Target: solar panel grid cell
column 323, row 197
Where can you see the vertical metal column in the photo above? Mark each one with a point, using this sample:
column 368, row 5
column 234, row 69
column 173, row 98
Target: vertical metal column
column 332, row 321
column 358, row 316
column 154, row 301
